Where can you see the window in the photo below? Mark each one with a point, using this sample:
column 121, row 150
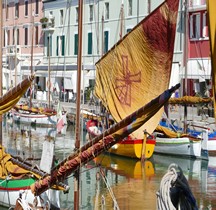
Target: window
column 89, row 43
column 76, row 44
column 16, row 9
column 77, row 14
column 128, row 30
column 36, row 7
column 8, row 37
column 195, row 26
column 60, row 51
column 106, row 41
column 4, row 44
column 129, row 7
column 26, row 36
column 205, row 26
column 7, row 11
column 36, row 35
column 149, row 6
column 49, row 45
column 14, row 36
column 17, row 35
column 61, row 17
column 106, row 11
column 90, row 13
column 26, row 8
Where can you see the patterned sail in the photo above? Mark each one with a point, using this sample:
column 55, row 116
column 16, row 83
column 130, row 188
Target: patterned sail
column 138, row 68
column 9, row 99
column 211, row 5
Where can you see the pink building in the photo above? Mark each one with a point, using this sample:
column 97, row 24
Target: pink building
column 23, row 39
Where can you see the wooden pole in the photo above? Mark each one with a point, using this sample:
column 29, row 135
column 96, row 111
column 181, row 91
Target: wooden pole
column 102, row 37
column 1, row 38
column 48, row 82
column 185, row 60
column 79, row 68
column 32, row 51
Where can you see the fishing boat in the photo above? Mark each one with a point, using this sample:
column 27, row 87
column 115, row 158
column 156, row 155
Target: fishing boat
column 194, row 131
column 210, row 144
column 125, row 75
column 128, row 147
column 16, row 174
column 32, row 112
column 15, row 181
column 34, row 116
column 38, row 116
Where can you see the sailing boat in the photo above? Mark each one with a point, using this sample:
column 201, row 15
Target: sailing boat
column 16, row 174
column 102, row 142
column 41, row 114
column 193, row 144
column 125, row 76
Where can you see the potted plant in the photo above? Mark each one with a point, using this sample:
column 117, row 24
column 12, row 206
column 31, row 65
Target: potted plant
column 44, row 22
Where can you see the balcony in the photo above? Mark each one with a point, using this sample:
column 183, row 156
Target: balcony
column 48, row 24
column 13, row 51
column 196, row 5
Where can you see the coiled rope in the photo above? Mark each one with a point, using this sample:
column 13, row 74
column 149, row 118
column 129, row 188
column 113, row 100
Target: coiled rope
column 174, row 192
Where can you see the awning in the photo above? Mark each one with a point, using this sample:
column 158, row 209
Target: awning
column 68, row 85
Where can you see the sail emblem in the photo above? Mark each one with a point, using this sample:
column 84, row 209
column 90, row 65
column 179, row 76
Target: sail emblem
column 124, row 84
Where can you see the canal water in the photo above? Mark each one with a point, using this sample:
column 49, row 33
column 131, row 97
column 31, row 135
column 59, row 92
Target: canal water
column 110, row 181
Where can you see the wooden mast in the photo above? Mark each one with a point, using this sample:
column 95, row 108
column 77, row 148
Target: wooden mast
column 185, row 54
column 79, row 68
column 32, row 42
column 122, row 20
column 1, row 38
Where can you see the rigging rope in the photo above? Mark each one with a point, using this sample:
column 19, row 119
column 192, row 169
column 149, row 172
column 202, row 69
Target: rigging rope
column 116, row 207
column 174, row 192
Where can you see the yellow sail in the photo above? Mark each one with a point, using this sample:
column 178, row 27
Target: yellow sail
column 189, row 100
column 211, row 5
column 9, row 99
column 137, row 69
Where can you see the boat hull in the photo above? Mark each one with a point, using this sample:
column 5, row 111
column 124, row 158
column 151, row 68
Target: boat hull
column 10, row 191
column 133, row 148
column 128, row 147
column 34, row 119
column 179, row 146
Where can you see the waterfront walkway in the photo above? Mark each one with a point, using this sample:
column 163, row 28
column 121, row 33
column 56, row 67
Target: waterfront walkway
column 193, row 113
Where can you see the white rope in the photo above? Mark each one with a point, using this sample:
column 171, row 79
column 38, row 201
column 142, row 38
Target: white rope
column 163, row 195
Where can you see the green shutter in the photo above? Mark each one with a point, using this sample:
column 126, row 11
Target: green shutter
column 63, row 45
column 89, row 43
column 47, row 45
column 106, row 41
column 76, row 44
column 57, row 45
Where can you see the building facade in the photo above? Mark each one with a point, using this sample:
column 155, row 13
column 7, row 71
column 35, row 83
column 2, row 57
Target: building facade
column 105, row 22
column 23, row 41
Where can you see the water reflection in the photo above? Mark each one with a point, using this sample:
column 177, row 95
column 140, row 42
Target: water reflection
column 132, row 184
